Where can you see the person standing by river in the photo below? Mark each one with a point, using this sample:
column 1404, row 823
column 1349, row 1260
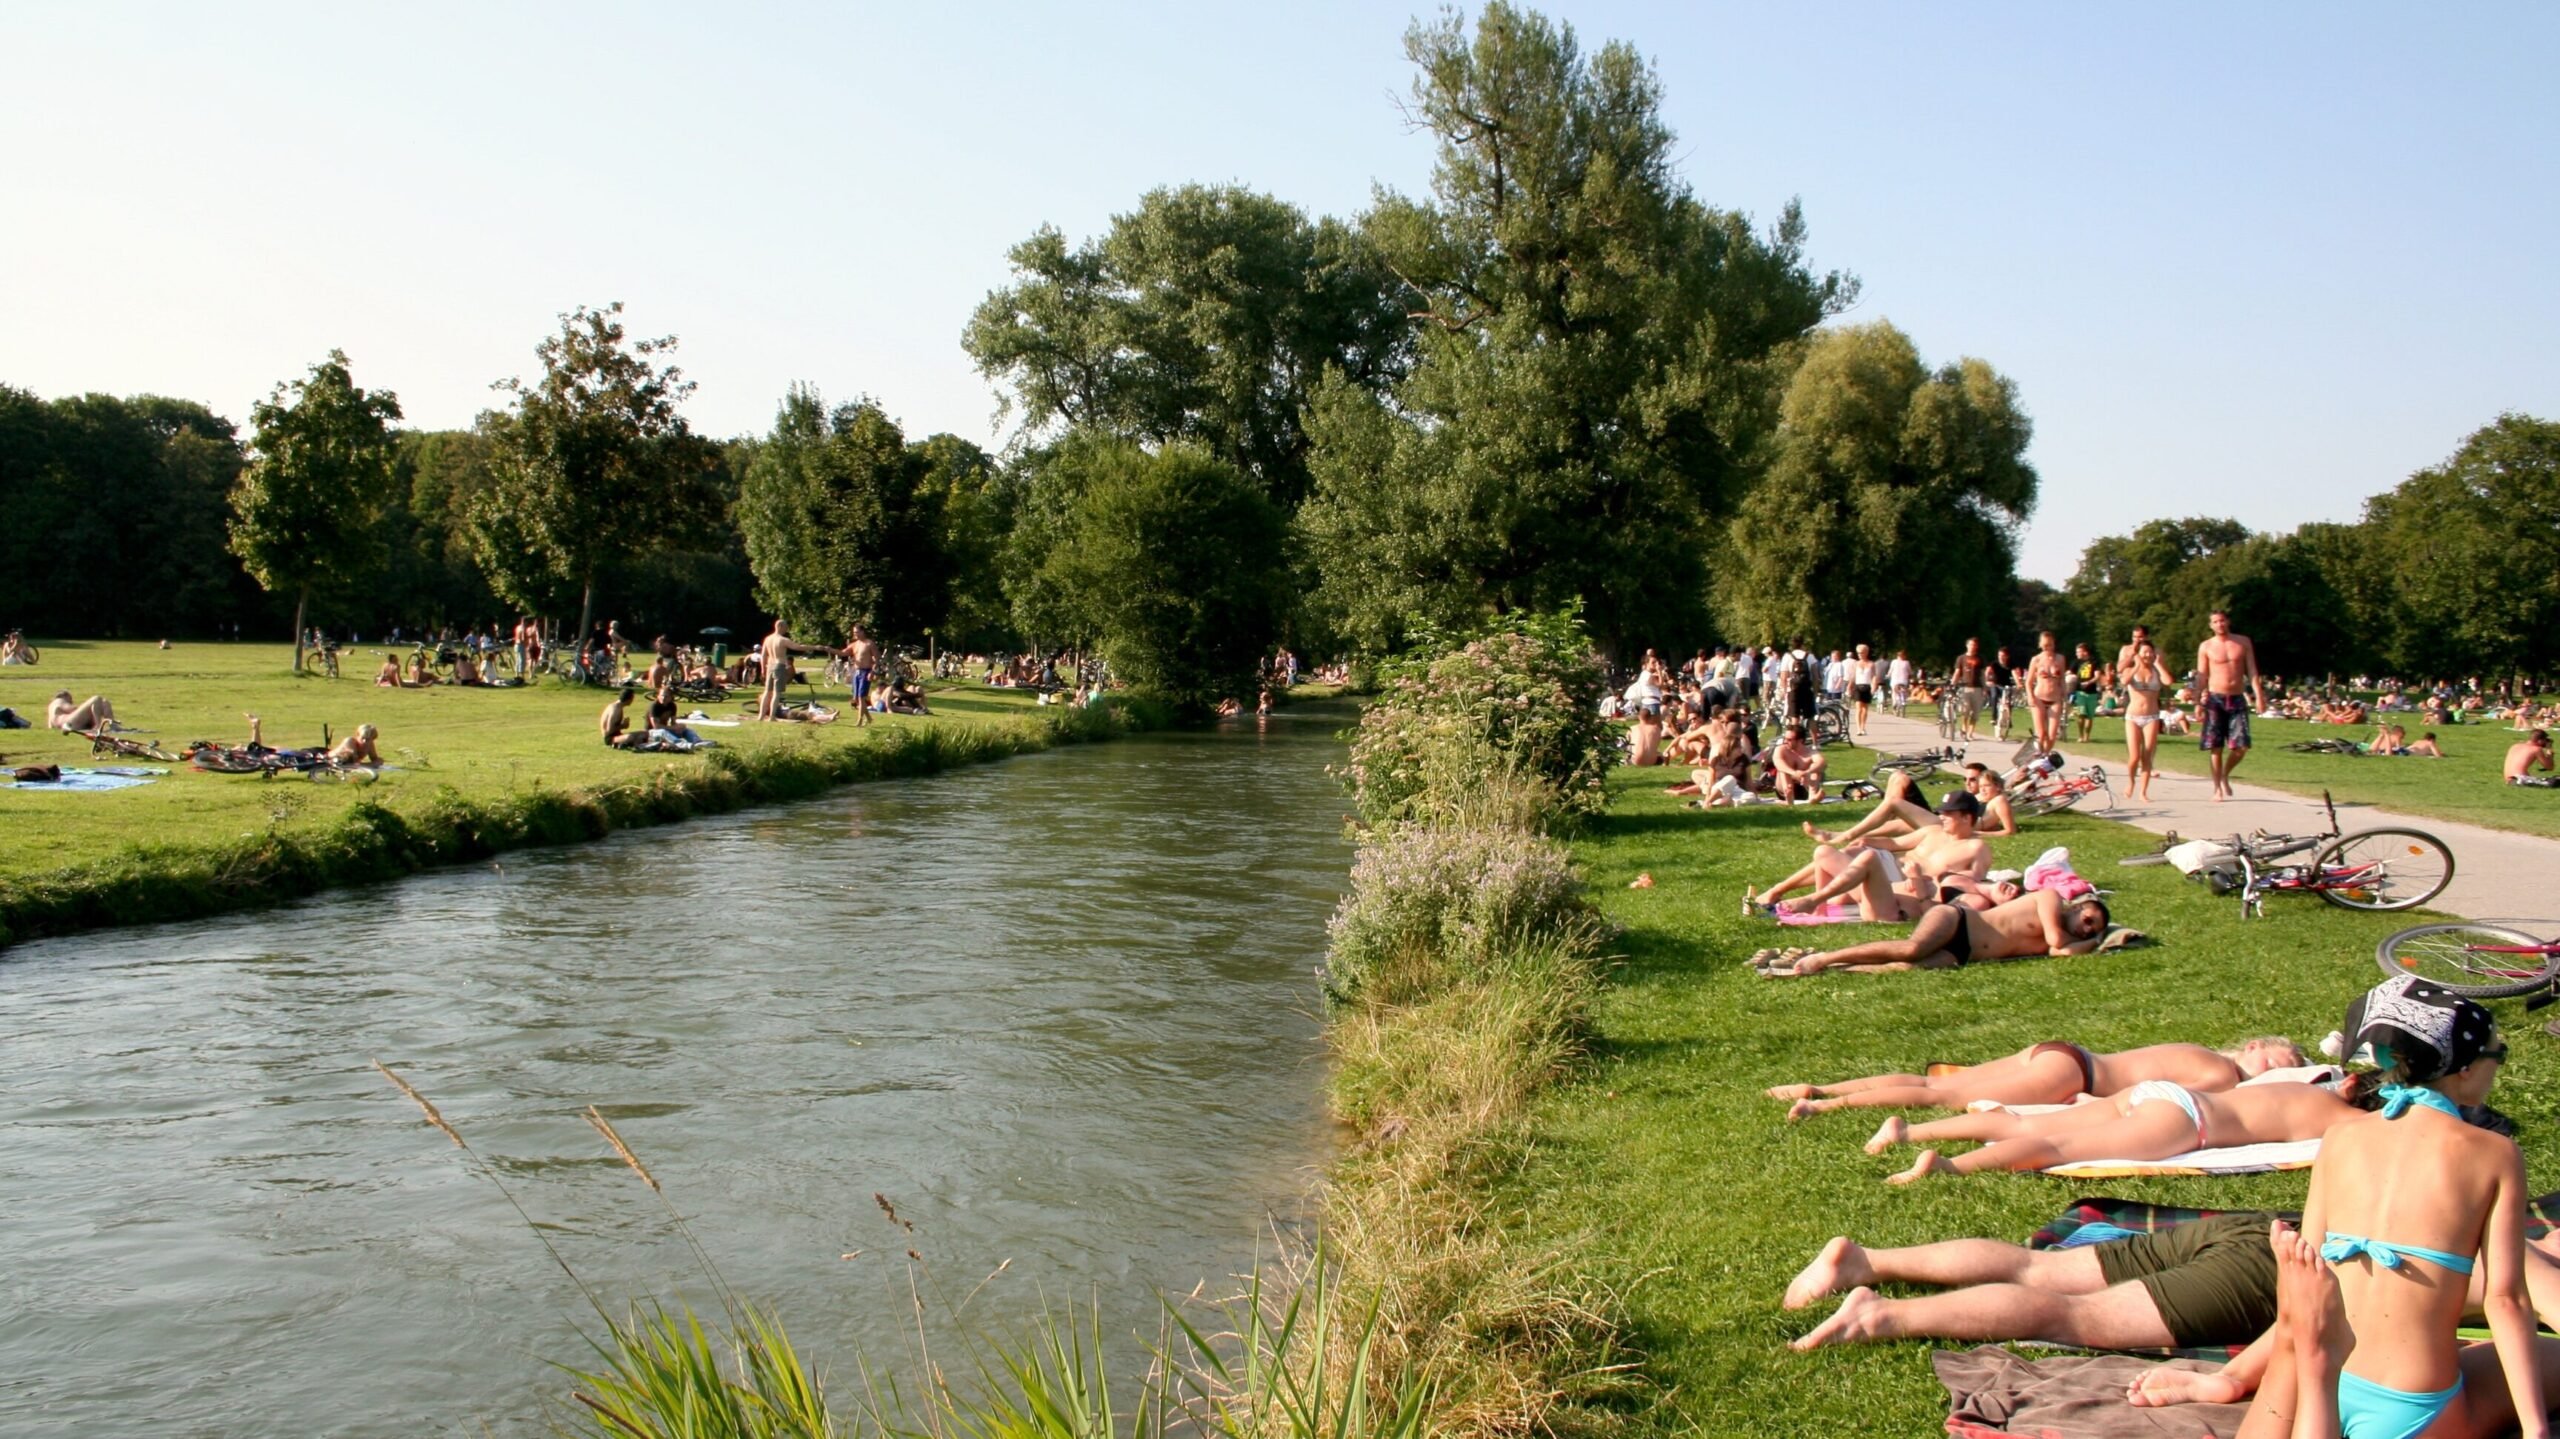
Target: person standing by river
column 776, row 652
column 862, row 661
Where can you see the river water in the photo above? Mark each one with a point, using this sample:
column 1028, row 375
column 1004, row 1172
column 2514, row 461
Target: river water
column 1059, row 1011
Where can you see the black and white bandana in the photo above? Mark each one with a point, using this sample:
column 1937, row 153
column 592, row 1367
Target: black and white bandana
column 2420, row 1026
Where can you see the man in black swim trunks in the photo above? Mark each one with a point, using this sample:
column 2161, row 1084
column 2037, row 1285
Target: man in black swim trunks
column 1949, row 936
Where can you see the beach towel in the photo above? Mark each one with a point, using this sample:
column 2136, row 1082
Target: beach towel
column 93, row 781
column 1832, row 913
column 1991, row 1391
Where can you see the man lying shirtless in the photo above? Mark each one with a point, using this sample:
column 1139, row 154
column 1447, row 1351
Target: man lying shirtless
column 1894, row 877
column 2050, row 1073
column 1949, row 936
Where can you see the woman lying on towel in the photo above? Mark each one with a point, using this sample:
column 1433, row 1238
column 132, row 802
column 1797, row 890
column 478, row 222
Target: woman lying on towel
column 2404, row 1205
column 2156, row 1119
column 2049, row 1073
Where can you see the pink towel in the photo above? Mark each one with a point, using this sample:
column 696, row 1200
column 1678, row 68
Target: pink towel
column 1832, row 913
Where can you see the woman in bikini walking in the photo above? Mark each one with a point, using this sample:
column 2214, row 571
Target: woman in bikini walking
column 2143, row 683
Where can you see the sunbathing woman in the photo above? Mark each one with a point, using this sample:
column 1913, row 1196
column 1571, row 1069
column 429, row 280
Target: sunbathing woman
column 2049, row 1073
column 87, row 717
column 363, row 747
column 388, row 677
column 2405, row 1203
column 1902, row 810
column 2153, row 1120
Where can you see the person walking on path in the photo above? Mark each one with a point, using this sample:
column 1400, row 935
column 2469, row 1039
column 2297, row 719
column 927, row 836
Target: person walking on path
column 2228, row 689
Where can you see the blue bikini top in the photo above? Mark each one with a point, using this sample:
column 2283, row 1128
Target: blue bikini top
column 2336, row 1247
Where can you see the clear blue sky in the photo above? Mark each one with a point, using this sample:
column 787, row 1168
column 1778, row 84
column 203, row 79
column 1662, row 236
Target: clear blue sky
column 2257, row 260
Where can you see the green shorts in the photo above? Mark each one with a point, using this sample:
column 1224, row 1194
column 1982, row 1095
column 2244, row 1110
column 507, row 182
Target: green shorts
column 2086, row 702
column 2213, row 1280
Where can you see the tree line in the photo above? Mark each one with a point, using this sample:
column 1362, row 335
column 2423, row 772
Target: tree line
column 2454, row 572
column 1558, row 377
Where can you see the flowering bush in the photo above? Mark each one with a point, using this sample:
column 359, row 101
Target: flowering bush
column 1429, row 902
column 1511, row 718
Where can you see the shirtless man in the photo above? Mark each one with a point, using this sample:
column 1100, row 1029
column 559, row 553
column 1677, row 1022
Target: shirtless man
column 2526, row 755
column 1795, row 766
column 2048, row 690
column 775, row 651
column 861, row 659
column 2225, row 665
column 2124, row 657
column 1894, row 877
column 87, row 717
column 1950, row 936
column 614, row 723
column 1644, row 739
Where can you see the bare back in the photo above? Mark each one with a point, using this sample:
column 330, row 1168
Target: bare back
column 2281, row 1113
column 2192, row 1065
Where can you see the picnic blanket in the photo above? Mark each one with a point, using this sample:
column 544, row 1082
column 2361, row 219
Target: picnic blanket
column 1991, row 1391
column 92, row 781
column 1833, row 913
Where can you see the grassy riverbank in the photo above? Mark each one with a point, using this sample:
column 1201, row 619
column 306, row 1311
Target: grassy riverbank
column 1704, row 1204
column 475, row 771
column 2468, row 784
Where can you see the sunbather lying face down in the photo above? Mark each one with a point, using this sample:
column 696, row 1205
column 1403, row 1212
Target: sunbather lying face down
column 2050, row 1073
column 2152, row 1120
column 1950, row 935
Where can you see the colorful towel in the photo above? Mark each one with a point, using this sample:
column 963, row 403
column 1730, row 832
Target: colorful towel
column 92, row 781
column 1832, row 913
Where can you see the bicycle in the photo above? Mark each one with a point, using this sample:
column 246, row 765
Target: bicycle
column 2478, row 961
column 2037, row 797
column 2377, row 870
column 2325, row 746
column 1950, row 716
column 103, row 743
column 1925, row 765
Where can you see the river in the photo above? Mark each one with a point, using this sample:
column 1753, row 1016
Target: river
column 1059, row 1011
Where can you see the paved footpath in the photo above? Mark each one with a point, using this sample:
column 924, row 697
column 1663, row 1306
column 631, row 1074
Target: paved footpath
column 2498, row 876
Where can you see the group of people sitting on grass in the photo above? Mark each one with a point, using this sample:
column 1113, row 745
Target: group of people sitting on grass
column 2414, row 1221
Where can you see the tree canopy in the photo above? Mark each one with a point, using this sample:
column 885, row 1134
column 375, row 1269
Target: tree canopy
column 844, row 521
column 320, row 471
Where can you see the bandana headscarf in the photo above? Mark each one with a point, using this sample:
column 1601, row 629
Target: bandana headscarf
column 2421, row 1027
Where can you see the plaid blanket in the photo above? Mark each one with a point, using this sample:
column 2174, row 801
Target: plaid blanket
column 2541, row 1217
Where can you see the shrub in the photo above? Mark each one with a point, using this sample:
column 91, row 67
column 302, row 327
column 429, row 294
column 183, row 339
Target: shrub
column 1520, row 706
column 1430, row 904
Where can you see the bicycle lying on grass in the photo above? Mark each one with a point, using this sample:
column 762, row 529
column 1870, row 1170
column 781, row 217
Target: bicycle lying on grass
column 103, row 743
column 2385, row 869
column 2482, row 961
column 2041, row 795
column 1925, row 765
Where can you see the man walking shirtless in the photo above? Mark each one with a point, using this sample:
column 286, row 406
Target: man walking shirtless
column 862, row 660
column 2225, row 664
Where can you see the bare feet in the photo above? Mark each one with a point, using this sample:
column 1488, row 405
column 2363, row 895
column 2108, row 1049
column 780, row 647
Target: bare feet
column 1888, row 1134
column 1840, row 1265
column 1822, row 836
column 1927, row 1164
column 1802, row 1108
column 2162, row 1385
column 1855, row 1320
column 1791, row 1091
column 2307, row 1293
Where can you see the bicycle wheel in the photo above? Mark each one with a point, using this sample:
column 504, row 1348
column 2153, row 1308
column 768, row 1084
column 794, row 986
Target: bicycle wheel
column 2474, row 960
column 2046, row 802
column 2384, row 869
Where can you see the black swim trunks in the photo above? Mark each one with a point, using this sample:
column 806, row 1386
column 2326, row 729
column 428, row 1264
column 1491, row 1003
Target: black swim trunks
column 1959, row 945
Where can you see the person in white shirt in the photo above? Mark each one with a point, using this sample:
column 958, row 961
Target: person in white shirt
column 1897, row 677
column 1862, row 687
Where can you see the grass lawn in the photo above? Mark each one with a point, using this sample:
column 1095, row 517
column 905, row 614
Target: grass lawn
column 1701, row 1204
column 2467, row 784
column 476, row 742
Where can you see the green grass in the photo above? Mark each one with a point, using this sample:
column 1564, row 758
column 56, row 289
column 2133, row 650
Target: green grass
column 2468, row 784
column 477, row 770
column 1702, row 1204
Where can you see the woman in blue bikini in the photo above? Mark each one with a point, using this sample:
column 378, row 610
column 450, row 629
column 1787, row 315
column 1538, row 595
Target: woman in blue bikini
column 2404, row 1203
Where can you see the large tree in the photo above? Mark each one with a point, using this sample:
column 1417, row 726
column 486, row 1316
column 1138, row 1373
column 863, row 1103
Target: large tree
column 1889, row 512
column 2128, row 580
column 1597, row 355
column 1172, row 562
column 2469, row 552
column 594, row 462
column 303, row 513
column 1207, row 315
column 843, row 521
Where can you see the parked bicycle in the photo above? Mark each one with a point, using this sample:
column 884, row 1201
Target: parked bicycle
column 2384, row 869
column 2482, row 961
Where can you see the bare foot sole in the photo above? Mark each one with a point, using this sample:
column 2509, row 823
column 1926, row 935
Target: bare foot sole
column 1822, row 1276
column 1790, row 1091
column 1888, row 1134
column 1852, row 1321
column 1927, row 1164
column 2163, row 1386
column 1800, row 1109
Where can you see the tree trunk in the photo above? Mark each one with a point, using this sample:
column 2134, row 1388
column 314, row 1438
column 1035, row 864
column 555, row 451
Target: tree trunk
column 301, row 598
column 586, row 616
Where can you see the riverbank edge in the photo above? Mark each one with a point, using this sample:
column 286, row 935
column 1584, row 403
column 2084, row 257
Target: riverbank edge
column 372, row 841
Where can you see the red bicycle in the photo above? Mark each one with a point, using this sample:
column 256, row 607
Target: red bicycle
column 2040, row 796
column 2481, row 961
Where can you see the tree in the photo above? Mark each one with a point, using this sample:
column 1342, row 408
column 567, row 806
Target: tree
column 594, row 462
column 2469, row 551
column 1207, row 315
column 2138, row 579
column 1173, row 560
column 1890, row 510
column 1596, row 361
column 843, row 522
column 980, row 500
column 304, row 510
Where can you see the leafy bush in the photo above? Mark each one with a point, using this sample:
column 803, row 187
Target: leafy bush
column 1428, row 904
column 1516, row 708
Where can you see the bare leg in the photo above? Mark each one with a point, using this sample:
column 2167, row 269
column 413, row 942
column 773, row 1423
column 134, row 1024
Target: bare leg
column 2123, row 1317
column 1841, row 871
column 1845, row 1086
column 2157, row 1129
column 2048, row 1078
column 1928, row 937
